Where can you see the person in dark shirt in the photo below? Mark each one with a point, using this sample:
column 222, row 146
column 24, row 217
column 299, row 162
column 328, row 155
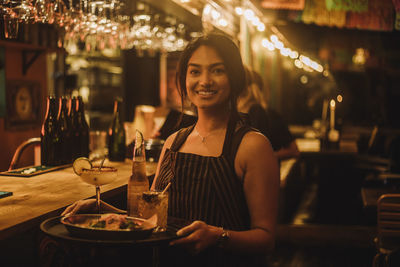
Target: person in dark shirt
column 266, row 120
column 174, row 121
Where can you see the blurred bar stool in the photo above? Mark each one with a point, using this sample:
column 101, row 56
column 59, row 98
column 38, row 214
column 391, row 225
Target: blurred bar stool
column 20, row 149
column 388, row 231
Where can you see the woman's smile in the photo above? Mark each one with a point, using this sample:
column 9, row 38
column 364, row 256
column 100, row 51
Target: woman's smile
column 206, row 92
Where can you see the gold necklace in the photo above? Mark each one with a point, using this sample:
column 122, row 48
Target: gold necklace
column 203, row 138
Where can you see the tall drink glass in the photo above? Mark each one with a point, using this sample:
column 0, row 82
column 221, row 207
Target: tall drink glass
column 154, row 202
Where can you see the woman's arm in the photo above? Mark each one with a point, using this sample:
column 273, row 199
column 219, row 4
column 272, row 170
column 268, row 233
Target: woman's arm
column 261, row 186
column 256, row 163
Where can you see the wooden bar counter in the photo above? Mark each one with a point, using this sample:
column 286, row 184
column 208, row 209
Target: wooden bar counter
column 43, row 196
column 46, row 195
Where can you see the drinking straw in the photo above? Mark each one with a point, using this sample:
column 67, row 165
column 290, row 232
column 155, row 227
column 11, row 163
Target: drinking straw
column 166, row 188
column 102, row 162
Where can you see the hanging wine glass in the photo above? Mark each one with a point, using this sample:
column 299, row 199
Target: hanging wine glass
column 59, row 11
column 25, row 11
column 11, row 26
column 10, row 20
column 44, row 11
column 4, row 7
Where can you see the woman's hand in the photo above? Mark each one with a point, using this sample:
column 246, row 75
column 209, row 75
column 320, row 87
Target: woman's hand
column 81, row 206
column 197, row 236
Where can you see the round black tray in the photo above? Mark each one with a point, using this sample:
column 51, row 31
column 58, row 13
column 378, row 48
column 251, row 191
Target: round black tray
column 54, row 228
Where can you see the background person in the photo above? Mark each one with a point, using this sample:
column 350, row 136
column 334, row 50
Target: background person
column 266, row 120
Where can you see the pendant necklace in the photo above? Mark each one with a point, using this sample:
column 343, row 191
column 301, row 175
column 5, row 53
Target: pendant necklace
column 203, row 138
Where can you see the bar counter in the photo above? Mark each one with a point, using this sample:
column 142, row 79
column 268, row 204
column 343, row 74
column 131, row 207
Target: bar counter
column 46, row 195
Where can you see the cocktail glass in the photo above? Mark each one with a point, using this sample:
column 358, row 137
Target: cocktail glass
column 98, row 176
column 154, row 202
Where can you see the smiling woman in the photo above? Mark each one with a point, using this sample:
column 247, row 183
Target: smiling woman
column 215, row 180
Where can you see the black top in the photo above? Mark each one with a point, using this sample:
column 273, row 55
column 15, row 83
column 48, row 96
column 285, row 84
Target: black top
column 171, row 123
column 272, row 125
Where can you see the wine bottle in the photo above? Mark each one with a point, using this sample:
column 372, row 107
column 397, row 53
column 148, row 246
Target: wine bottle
column 74, row 124
column 138, row 182
column 64, row 128
column 116, row 135
column 83, row 129
column 49, row 137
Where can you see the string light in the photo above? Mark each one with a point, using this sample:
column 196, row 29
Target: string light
column 252, row 15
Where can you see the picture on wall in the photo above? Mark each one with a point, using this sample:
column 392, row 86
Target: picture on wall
column 23, row 105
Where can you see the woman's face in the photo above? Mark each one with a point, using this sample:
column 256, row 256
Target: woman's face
column 207, row 82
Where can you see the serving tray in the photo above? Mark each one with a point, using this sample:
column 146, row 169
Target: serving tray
column 33, row 170
column 54, row 228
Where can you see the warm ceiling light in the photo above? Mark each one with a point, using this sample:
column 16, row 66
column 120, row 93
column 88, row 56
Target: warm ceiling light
column 274, row 38
column 261, row 27
column 239, row 11
column 248, row 14
column 223, row 22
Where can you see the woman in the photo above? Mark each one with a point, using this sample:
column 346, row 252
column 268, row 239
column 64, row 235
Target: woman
column 266, row 120
column 224, row 176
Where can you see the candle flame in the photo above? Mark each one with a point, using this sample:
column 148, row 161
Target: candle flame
column 333, row 103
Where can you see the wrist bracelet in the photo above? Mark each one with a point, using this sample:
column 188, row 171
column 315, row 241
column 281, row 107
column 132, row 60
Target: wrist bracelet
column 223, row 238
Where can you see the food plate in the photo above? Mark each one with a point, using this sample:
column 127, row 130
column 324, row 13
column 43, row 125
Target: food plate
column 107, row 226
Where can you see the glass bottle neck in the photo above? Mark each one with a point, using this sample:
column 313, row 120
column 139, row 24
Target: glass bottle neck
column 51, row 111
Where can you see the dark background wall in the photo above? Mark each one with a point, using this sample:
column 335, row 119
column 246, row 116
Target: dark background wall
column 141, row 80
column 371, row 92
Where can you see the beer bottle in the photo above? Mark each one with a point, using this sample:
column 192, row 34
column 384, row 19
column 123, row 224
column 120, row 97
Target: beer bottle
column 74, row 123
column 49, row 137
column 83, row 129
column 64, row 129
column 116, row 135
column 138, row 182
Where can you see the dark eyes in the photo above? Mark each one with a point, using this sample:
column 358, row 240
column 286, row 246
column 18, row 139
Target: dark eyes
column 215, row 71
column 218, row 70
column 194, row 71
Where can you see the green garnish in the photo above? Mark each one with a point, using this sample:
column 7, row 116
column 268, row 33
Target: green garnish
column 98, row 224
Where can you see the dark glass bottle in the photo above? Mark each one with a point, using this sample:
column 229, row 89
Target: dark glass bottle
column 49, row 136
column 64, row 128
column 116, row 135
column 74, row 124
column 83, row 129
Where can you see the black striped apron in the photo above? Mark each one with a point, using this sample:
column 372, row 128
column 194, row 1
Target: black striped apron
column 208, row 189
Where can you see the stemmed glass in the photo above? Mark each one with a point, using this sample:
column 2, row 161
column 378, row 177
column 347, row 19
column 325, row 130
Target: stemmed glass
column 25, row 11
column 94, row 175
column 11, row 23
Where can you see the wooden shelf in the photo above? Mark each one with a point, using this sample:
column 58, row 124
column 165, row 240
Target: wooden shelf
column 21, row 46
column 30, row 52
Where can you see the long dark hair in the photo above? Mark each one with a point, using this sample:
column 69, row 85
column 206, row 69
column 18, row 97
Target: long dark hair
column 229, row 53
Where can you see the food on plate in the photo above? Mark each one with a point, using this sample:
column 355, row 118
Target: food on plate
column 111, row 221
